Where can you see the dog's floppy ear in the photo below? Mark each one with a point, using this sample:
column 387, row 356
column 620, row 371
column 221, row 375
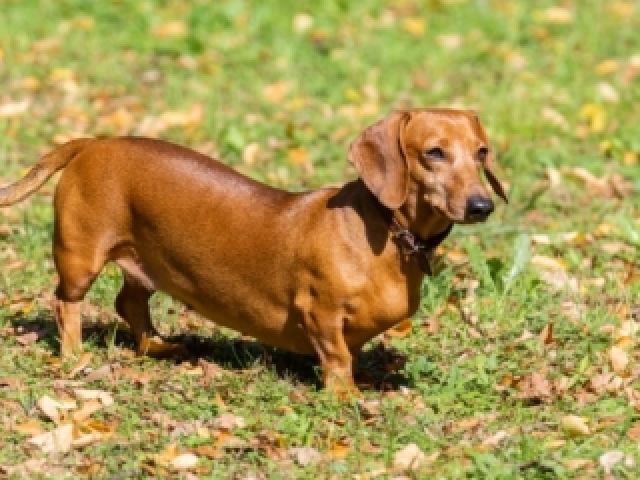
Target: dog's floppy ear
column 379, row 157
column 493, row 180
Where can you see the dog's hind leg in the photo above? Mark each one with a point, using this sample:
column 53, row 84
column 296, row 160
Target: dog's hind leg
column 132, row 304
column 77, row 273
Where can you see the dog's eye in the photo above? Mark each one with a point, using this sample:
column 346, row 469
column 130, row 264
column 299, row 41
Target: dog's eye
column 483, row 153
column 435, row 153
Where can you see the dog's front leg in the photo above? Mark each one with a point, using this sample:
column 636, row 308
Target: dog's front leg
column 326, row 335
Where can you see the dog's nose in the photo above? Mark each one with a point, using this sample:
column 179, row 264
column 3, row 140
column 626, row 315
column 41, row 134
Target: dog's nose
column 479, row 207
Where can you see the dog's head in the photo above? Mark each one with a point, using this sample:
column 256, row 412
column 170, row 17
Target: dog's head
column 429, row 157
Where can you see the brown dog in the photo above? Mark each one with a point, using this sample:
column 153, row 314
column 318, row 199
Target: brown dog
column 318, row 273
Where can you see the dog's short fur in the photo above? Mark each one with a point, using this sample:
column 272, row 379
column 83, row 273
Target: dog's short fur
column 316, row 273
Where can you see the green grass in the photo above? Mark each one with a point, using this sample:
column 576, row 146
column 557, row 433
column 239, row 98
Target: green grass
column 549, row 103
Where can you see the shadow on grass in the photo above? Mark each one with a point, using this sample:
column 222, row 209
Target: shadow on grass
column 379, row 367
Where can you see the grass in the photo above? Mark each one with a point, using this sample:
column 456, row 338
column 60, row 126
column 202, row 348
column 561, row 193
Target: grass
column 558, row 88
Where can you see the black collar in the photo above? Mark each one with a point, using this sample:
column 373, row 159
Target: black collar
column 415, row 246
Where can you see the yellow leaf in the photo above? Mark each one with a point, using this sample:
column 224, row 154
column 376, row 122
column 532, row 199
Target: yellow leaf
column 607, row 66
column 276, row 92
column 298, row 155
column 174, row 29
column 339, row 450
column 30, row 427
column 595, row 115
column 415, row 26
column 559, row 15
column 574, row 425
column 630, row 158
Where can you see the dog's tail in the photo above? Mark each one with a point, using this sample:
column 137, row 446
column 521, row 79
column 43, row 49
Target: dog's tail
column 41, row 172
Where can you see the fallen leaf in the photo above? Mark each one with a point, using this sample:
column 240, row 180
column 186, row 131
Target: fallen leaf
column 409, row 458
column 302, row 22
column 50, row 407
column 276, row 92
column 495, row 439
column 574, row 425
column 14, row 109
column 609, row 459
column 30, row 427
column 88, row 408
column 546, row 335
column 228, row 421
column 56, row 441
column 304, row 456
column 415, row 26
column 634, row 432
column 618, row 358
column 578, row 463
column 27, row 338
column 535, row 387
column 340, row 449
column 80, row 365
column 183, row 461
column 104, row 371
column 400, row 330
column 173, row 29
column 84, row 394
column 298, row 155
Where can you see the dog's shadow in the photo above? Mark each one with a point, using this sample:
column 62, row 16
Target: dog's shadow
column 379, row 367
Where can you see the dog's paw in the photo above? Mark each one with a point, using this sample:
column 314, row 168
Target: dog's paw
column 156, row 347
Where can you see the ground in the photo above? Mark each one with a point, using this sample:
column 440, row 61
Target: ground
column 522, row 360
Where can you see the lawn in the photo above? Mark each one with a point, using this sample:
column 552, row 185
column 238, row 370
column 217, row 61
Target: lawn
column 522, row 360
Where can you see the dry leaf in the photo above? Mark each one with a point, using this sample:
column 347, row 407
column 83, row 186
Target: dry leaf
column 30, row 427
column 298, row 156
column 228, row 421
column 409, row 458
column 415, row 26
column 400, row 330
column 102, row 372
column 634, row 432
column 546, row 335
column 339, row 449
column 578, row 463
column 619, row 359
column 14, row 109
column 276, row 92
column 27, row 338
column 84, row 394
column 174, row 29
column 535, row 387
column 609, row 459
column 50, row 407
column 302, row 22
column 495, row 439
column 184, row 461
column 55, row 441
column 80, row 365
column 88, row 409
column 304, row 456
column 558, row 15
column 574, row 425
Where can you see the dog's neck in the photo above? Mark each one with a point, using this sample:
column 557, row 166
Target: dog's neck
column 417, row 234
